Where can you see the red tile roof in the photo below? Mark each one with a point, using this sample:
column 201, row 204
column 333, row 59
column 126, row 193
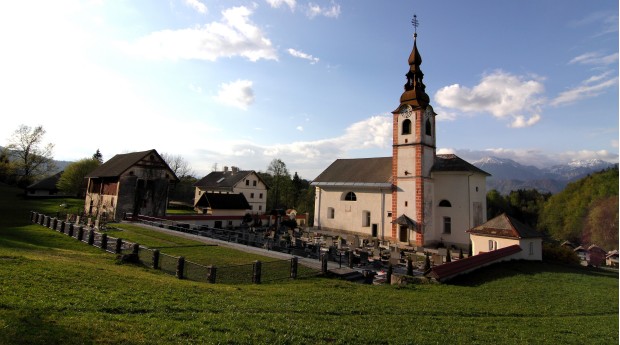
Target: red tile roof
column 504, row 226
column 454, row 268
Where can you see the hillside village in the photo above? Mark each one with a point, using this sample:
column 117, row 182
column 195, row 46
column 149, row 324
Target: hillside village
column 416, row 208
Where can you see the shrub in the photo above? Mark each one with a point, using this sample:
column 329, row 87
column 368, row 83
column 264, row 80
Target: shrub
column 556, row 253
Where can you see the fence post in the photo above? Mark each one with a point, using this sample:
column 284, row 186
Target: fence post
column 294, row 268
column 135, row 249
column 257, row 272
column 91, row 237
column 324, row 263
column 62, row 226
column 104, row 241
column 70, row 229
column 48, row 221
column 32, row 213
column 211, row 274
column 350, row 258
column 40, row 218
column 180, row 267
column 156, row 259
column 389, row 274
column 119, row 245
column 80, row 233
column 54, row 223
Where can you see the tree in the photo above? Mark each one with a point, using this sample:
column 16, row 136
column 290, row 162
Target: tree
column 32, row 159
column 298, row 187
column 177, row 164
column 98, row 156
column 7, row 170
column 601, row 224
column 280, row 178
column 72, row 181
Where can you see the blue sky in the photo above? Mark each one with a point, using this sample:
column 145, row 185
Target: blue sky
column 239, row 83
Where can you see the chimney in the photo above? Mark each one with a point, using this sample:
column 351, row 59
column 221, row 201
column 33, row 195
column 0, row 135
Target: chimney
column 234, row 169
column 225, row 169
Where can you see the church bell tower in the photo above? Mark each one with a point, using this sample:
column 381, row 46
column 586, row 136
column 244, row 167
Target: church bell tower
column 413, row 155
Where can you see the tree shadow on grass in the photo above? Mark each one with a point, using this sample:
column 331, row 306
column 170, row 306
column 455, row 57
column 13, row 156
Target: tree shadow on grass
column 502, row 270
column 34, row 328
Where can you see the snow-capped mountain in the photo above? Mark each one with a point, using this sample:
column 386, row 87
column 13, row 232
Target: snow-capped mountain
column 508, row 175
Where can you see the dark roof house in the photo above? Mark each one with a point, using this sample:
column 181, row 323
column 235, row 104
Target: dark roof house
column 45, row 187
column 505, row 226
column 219, row 201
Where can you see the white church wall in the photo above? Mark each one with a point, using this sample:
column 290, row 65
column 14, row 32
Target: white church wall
column 351, row 216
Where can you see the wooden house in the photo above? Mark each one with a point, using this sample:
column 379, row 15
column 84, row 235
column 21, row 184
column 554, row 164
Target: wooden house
column 135, row 183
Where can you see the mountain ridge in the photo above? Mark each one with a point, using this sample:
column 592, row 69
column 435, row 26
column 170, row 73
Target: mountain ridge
column 508, row 175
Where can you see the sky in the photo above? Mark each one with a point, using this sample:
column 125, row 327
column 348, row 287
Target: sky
column 240, row 83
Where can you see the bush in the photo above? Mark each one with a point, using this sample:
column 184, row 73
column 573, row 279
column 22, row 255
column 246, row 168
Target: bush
column 556, row 253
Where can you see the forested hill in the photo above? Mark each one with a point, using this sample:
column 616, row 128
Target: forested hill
column 586, row 211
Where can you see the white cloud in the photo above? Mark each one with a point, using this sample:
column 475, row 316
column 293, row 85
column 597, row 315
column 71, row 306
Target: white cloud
column 238, row 94
column 277, row 3
column 300, row 128
column 233, row 35
column 332, row 11
column 501, row 94
column 595, row 58
column 589, row 88
column 195, row 88
column 197, row 5
column 302, row 55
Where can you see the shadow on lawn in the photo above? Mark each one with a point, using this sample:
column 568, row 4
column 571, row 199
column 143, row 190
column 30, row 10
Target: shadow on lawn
column 520, row 268
column 34, row 328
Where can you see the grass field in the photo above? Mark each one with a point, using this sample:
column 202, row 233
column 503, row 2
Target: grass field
column 55, row 290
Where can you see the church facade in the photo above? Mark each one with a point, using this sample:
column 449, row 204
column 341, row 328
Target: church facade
column 413, row 198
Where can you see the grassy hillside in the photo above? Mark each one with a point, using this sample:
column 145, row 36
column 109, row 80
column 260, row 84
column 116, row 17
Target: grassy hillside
column 55, row 290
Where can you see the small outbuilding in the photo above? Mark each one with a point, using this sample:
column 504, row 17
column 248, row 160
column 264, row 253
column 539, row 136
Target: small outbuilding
column 505, row 231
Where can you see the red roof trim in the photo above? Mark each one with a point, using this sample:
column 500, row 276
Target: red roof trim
column 451, row 269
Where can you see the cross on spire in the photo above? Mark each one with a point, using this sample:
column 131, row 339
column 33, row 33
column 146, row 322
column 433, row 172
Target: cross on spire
column 415, row 24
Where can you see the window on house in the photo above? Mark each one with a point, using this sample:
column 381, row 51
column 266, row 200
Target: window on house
column 247, row 182
column 254, row 183
column 531, row 248
column 260, row 207
column 492, row 245
column 406, row 203
column 260, row 196
column 350, row 196
column 366, row 218
column 447, row 225
column 389, row 214
column 428, row 127
column 375, row 231
column 406, row 127
column 251, row 195
column 331, row 213
column 445, row 203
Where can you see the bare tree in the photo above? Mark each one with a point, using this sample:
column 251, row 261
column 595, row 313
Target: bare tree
column 178, row 165
column 32, row 158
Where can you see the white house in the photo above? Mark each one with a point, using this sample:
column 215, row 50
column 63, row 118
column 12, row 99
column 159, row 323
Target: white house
column 413, row 198
column 234, row 181
column 505, row 231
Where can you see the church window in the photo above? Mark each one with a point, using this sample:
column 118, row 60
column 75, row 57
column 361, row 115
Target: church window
column 350, row 197
column 428, row 127
column 406, row 127
column 445, row 203
column 447, row 225
column 331, row 212
column 366, row 218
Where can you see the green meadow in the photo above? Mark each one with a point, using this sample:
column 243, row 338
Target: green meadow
column 56, row 290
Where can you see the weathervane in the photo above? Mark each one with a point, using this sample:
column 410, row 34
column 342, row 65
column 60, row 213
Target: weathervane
column 415, row 24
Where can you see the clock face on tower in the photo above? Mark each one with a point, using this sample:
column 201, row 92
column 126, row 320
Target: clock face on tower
column 406, row 111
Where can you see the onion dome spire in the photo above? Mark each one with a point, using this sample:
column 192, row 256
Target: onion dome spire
column 415, row 90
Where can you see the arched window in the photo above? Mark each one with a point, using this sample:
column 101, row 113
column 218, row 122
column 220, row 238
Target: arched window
column 445, row 203
column 331, row 212
column 428, row 127
column 406, row 127
column 350, row 197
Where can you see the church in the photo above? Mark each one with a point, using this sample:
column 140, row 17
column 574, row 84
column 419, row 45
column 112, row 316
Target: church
column 415, row 198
